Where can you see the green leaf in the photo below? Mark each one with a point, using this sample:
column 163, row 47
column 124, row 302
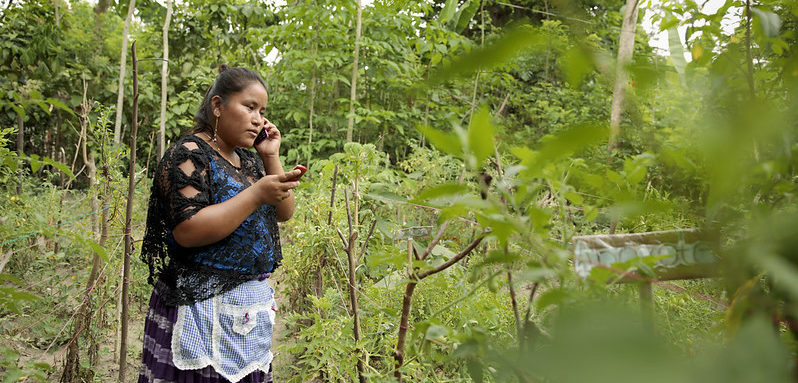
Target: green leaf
column 785, row 274
column 628, row 209
column 10, row 278
column 480, row 136
column 769, row 22
column 576, row 63
column 60, row 105
column 676, row 50
column 443, row 190
column 35, row 163
column 575, row 198
column 445, row 142
column 513, row 43
column 447, row 12
column 59, row 165
column 551, row 297
column 436, row 331
column 18, row 109
column 467, row 13
column 475, row 369
column 95, row 247
column 563, row 145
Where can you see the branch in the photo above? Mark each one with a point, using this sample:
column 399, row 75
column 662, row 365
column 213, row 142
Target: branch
column 453, row 260
column 332, row 195
column 348, row 213
column 434, row 241
column 343, row 239
column 366, row 242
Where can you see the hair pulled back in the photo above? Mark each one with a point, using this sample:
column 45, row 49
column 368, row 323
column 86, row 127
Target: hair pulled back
column 230, row 80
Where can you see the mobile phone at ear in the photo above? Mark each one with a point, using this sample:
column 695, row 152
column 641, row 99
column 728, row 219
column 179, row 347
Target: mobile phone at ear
column 302, row 169
column 262, row 135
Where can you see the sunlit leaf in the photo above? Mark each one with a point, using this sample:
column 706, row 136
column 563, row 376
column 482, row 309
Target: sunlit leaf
column 446, row 189
column 676, row 50
column 566, row 143
column 480, row 136
column 516, row 41
column 435, row 331
column 769, row 22
column 467, row 12
column 446, row 142
column 448, row 11
column 60, row 105
column 576, row 63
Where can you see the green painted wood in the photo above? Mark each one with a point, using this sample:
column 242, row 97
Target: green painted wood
column 669, row 255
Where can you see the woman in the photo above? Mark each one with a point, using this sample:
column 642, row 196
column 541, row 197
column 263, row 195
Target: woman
column 212, row 240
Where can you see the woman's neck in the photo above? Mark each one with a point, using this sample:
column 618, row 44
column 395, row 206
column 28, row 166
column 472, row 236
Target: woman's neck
column 226, row 151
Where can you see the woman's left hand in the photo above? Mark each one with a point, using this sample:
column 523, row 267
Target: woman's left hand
column 271, row 145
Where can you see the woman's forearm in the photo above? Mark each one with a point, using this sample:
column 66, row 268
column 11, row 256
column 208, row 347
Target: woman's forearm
column 215, row 222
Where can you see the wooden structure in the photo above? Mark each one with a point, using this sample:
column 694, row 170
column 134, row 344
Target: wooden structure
column 666, row 255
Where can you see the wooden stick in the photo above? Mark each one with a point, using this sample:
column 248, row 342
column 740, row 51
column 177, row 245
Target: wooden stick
column 366, row 242
column 128, row 220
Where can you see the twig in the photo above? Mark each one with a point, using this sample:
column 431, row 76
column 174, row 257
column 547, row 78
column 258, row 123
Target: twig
column 453, row 260
column 435, row 240
column 366, row 242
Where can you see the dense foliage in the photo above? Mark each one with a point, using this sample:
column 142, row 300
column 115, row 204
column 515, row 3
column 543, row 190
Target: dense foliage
column 479, row 152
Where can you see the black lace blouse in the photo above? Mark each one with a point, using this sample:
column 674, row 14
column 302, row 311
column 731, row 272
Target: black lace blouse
column 190, row 274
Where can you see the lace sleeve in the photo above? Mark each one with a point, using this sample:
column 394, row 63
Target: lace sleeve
column 185, row 186
column 180, row 189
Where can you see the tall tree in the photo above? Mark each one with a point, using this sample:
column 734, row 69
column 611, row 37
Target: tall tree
column 164, row 72
column 625, row 49
column 353, row 92
column 120, row 95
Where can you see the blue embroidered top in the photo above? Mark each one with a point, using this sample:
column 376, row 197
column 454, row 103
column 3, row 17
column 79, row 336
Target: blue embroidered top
column 195, row 274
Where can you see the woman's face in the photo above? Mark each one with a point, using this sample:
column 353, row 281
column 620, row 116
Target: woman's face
column 241, row 117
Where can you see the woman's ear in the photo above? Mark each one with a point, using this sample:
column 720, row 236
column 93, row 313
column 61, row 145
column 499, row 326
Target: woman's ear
column 216, row 104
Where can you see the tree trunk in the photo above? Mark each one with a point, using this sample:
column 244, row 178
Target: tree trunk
column 131, row 186
column 415, row 278
column 749, row 60
column 102, row 6
column 310, row 114
column 319, row 283
column 353, row 89
column 57, row 15
column 350, row 252
column 399, row 355
column 120, row 95
column 164, row 72
column 625, row 49
column 20, row 149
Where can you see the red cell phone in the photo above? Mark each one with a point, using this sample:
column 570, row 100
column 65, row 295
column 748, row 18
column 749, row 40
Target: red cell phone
column 301, row 168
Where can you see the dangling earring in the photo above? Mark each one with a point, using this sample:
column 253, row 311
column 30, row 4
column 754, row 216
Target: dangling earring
column 215, row 128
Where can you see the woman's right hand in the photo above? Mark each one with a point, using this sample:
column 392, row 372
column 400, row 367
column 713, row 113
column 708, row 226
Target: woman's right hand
column 274, row 189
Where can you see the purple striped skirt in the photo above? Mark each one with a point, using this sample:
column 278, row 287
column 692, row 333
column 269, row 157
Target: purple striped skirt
column 156, row 355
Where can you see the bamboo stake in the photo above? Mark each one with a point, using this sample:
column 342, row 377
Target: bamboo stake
column 128, row 218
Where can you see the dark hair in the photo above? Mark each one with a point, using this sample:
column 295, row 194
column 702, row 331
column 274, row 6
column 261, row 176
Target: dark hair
column 229, row 81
